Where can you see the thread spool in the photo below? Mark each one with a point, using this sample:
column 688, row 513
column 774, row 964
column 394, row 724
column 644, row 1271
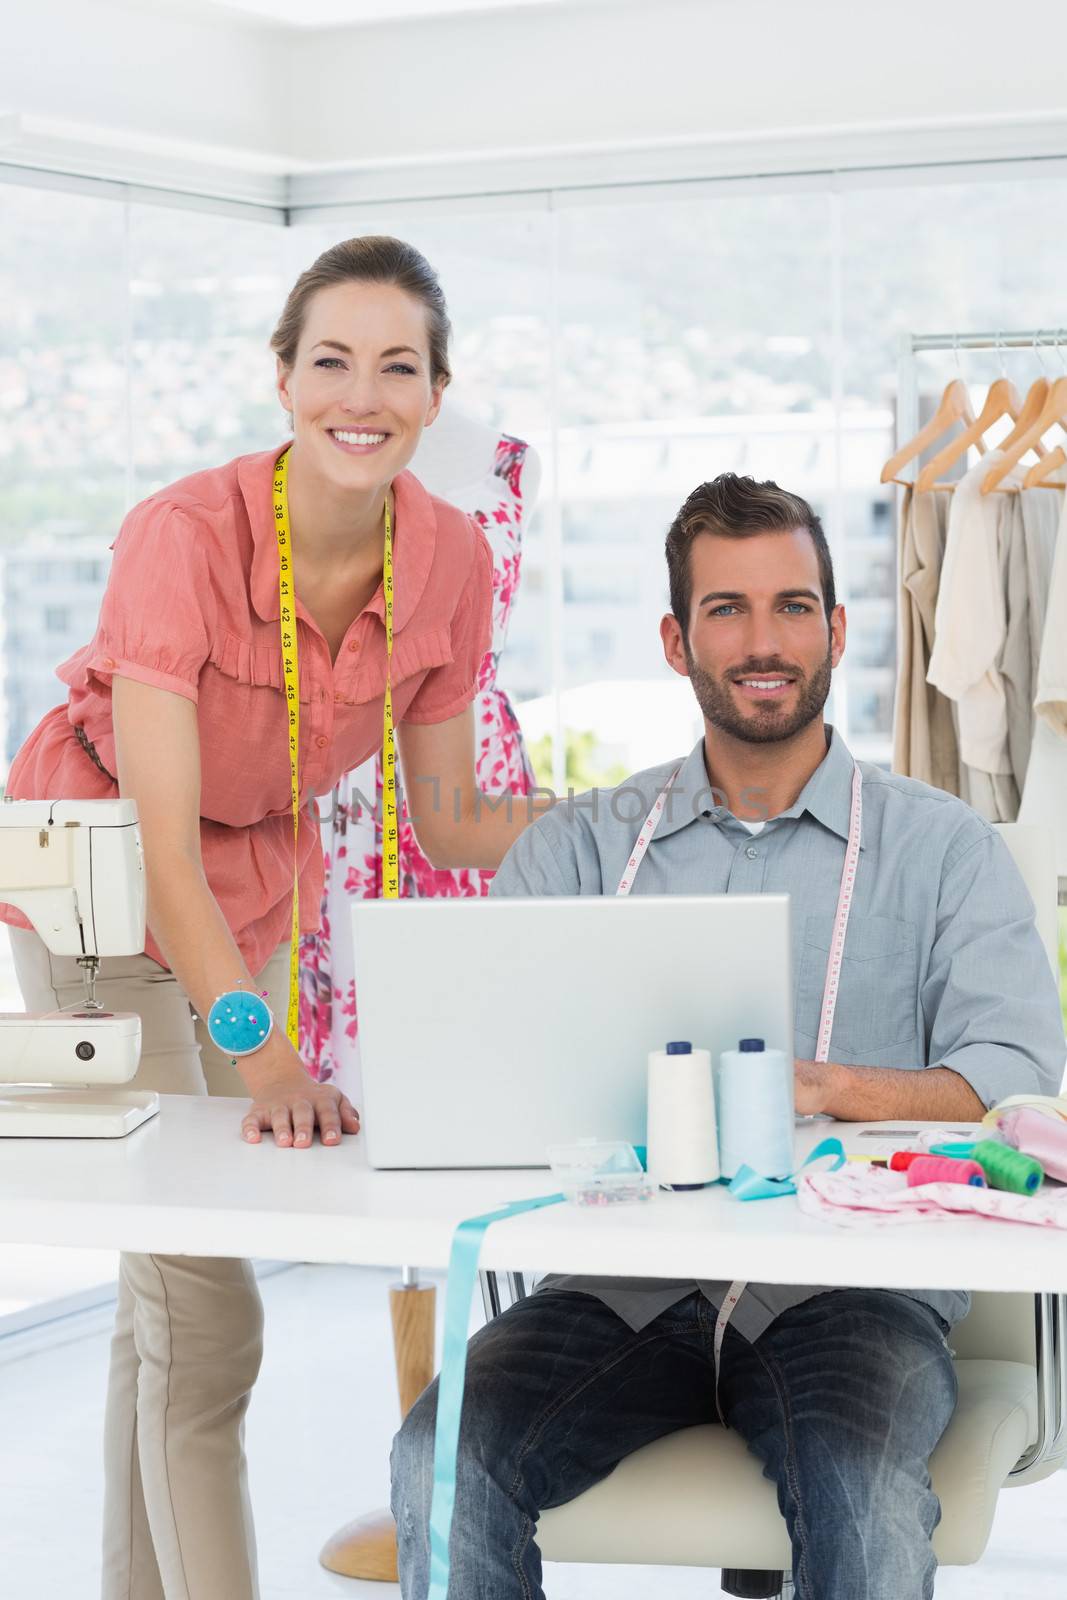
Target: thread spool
column 943, row 1169
column 1008, row 1169
column 683, row 1145
column 754, row 1087
column 901, row 1160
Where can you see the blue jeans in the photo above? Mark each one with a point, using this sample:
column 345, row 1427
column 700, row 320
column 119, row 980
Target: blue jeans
column 843, row 1398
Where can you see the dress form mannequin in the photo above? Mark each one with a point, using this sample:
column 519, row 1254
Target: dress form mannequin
column 457, row 448
column 457, row 451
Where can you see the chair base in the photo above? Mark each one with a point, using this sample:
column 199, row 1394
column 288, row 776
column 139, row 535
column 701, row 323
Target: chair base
column 363, row 1549
column 752, row 1585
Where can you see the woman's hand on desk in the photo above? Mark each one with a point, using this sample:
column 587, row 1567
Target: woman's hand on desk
column 290, row 1103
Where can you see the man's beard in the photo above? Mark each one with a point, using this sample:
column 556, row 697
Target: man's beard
column 767, row 724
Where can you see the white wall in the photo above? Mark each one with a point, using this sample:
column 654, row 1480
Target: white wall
column 202, row 81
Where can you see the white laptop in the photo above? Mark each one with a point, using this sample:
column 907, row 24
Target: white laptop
column 490, row 1029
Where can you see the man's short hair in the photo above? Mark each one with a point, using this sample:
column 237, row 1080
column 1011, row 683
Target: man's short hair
column 736, row 508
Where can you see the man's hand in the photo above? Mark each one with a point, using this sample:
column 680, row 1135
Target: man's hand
column 814, row 1085
column 880, row 1094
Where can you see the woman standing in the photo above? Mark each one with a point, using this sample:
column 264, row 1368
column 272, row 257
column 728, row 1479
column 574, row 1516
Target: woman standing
column 180, row 703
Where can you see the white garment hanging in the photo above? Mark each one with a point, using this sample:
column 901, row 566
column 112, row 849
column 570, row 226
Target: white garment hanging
column 970, row 621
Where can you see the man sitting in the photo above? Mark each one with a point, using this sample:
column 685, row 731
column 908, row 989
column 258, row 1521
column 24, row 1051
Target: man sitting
column 946, row 1005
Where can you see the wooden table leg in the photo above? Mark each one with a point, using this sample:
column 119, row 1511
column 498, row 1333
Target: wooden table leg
column 366, row 1548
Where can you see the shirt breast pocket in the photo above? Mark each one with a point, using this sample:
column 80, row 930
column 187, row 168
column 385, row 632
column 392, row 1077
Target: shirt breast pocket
column 877, row 998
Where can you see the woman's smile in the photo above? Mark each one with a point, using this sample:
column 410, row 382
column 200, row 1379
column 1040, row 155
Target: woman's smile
column 358, row 441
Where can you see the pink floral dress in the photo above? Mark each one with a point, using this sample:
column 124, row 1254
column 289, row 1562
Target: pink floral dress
column 352, row 835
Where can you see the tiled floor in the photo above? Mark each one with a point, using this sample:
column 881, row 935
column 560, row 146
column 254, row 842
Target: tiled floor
column 318, row 1441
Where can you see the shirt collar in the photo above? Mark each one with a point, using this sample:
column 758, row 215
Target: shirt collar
column 691, row 795
column 827, row 795
column 414, row 540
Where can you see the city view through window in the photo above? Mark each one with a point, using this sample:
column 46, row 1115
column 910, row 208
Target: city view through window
column 640, row 346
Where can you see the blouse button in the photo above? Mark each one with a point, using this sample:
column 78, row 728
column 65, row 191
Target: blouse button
column 108, row 662
column 322, row 741
column 338, row 697
column 353, row 644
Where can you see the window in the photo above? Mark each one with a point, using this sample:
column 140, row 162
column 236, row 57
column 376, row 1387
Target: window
column 140, row 367
column 204, row 295
column 640, row 342
column 666, row 379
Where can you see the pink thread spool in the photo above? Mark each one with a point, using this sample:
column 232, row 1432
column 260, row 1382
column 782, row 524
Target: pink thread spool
column 945, row 1169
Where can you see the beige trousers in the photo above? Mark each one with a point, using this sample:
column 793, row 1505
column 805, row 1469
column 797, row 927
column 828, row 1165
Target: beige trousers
column 188, row 1329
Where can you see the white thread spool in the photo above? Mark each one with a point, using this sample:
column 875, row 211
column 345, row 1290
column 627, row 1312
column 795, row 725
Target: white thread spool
column 683, row 1149
column 756, row 1110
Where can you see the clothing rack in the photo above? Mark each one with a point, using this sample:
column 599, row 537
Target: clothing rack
column 912, row 344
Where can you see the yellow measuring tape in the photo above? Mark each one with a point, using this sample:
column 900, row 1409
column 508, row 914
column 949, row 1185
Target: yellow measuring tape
column 291, row 675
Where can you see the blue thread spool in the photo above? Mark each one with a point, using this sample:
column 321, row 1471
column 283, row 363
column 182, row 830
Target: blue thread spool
column 239, row 1023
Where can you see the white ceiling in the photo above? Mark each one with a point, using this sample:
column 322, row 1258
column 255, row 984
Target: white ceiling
column 224, row 97
column 354, row 13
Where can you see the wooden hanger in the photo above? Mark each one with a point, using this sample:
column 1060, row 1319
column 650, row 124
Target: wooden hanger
column 1051, row 460
column 1054, row 410
column 1033, row 405
column 1001, row 401
column 955, row 406
column 1050, row 463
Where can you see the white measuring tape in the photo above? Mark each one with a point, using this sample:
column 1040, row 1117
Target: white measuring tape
column 831, row 984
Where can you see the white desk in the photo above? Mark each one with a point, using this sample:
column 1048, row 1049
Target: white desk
column 185, row 1183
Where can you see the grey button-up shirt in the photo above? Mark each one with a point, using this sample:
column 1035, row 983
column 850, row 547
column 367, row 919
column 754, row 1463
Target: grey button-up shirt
column 943, row 965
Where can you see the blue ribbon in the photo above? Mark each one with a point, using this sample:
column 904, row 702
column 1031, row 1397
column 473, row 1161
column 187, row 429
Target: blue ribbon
column 462, row 1272
column 747, row 1184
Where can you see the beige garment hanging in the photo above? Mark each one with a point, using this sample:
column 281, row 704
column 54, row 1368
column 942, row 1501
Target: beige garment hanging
column 924, row 729
column 1046, row 778
column 1030, row 532
column 995, row 795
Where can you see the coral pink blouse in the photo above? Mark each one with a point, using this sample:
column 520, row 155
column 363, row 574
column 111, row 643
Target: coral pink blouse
column 192, row 606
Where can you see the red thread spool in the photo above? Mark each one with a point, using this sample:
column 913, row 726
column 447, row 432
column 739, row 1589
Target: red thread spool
column 901, row 1160
column 945, row 1169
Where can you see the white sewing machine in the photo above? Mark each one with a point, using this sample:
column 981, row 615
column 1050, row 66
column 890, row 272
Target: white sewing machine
column 75, row 868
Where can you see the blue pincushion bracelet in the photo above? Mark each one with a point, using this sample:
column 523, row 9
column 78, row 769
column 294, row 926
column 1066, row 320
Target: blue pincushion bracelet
column 239, row 1022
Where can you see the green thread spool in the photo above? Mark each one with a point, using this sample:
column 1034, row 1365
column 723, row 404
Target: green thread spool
column 1008, row 1169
